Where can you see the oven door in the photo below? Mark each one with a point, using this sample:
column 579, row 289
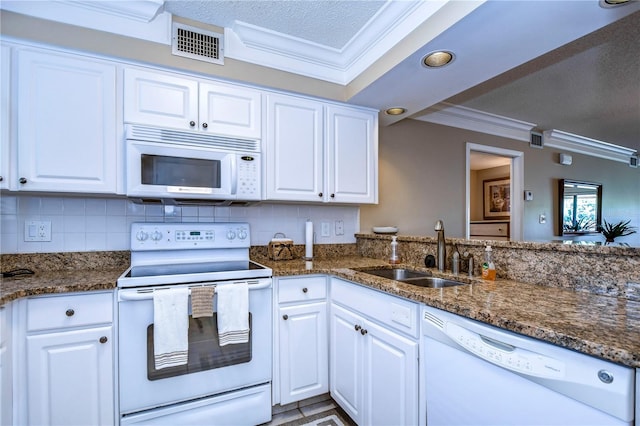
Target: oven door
column 179, row 171
column 210, row 370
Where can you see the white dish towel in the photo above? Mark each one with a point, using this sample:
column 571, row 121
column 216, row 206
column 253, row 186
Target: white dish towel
column 233, row 313
column 171, row 327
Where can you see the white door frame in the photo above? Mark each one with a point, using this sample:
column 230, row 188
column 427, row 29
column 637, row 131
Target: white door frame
column 516, row 191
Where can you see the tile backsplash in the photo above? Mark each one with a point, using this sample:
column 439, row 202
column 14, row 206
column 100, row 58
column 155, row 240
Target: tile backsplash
column 98, row 224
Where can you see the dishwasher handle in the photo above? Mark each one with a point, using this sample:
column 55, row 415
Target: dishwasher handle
column 497, row 344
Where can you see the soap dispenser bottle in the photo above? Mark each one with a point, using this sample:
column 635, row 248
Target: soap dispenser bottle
column 394, row 258
column 488, row 267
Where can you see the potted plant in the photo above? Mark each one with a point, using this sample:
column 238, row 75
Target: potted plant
column 613, row 230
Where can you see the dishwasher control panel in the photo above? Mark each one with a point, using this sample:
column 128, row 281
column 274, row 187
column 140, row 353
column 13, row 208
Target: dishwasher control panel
column 505, row 355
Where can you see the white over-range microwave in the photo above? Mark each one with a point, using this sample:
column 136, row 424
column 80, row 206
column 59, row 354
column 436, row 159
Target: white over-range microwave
column 190, row 167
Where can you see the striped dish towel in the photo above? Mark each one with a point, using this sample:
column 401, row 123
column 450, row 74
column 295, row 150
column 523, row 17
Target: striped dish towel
column 233, row 313
column 202, row 302
column 170, row 327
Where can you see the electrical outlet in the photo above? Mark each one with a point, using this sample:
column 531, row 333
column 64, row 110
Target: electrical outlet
column 37, row 230
column 542, row 218
column 325, row 230
column 339, row 227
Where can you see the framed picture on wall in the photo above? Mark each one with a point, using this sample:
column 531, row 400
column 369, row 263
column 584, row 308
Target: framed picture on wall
column 497, row 198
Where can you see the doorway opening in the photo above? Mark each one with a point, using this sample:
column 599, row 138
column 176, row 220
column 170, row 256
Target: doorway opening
column 494, row 189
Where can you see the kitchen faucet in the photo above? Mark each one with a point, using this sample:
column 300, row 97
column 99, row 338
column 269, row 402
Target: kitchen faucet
column 442, row 249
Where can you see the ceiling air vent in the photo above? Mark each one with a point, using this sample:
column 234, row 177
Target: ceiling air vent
column 536, row 140
column 633, row 161
column 195, row 43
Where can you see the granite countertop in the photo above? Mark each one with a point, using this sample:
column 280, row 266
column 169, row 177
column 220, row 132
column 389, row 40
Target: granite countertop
column 602, row 326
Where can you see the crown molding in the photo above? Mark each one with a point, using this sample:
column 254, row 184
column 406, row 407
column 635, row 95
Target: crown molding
column 393, row 22
column 478, row 121
column 143, row 19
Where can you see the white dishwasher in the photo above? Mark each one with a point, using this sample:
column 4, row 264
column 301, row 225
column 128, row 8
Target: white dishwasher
column 477, row 374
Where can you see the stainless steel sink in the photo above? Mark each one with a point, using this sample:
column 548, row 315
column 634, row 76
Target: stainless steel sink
column 409, row 276
column 398, row 274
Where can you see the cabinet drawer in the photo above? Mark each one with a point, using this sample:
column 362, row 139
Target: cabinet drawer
column 490, row 229
column 49, row 312
column 301, row 289
column 390, row 311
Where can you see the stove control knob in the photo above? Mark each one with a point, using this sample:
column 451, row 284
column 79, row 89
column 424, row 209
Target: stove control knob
column 231, row 234
column 142, row 236
column 242, row 234
column 156, row 236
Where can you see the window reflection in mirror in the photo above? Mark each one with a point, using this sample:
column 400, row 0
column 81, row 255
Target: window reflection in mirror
column 580, row 207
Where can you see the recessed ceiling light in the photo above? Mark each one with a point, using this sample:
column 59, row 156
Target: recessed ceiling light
column 395, row 111
column 437, row 59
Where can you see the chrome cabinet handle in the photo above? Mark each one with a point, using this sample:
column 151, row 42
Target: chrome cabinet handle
column 205, row 125
column 70, row 312
column 363, row 331
column 285, row 317
column 304, row 290
column 192, row 123
column 103, row 339
column 357, row 327
column 23, row 180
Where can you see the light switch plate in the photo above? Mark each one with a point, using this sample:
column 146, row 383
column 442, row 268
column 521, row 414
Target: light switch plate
column 37, row 230
column 326, row 230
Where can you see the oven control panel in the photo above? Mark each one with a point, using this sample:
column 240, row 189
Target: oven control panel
column 176, row 236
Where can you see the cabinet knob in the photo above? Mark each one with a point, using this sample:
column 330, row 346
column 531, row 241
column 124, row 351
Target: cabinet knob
column 1, row 178
column 285, row 317
column 103, row 339
column 333, row 195
column 192, row 123
column 363, row 331
column 357, row 327
column 320, row 194
column 22, row 180
column 70, row 312
column 205, row 125
column 304, row 290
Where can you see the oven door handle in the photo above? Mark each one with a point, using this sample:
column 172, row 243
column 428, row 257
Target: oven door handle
column 148, row 294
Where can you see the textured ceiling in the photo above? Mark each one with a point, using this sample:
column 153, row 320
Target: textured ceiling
column 330, row 23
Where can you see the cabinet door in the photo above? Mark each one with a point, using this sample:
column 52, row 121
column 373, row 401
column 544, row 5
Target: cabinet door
column 391, row 378
column 304, row 356
column 70, row 377
column 66, row 123
column 5, row 110
column 230, row 110
column 160, row 99
column 345, row 362
column 352, row 155
column 294, row 143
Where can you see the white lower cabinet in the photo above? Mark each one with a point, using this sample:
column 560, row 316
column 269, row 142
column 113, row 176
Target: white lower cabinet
column 374, row 355
column 69, row 360
column 303, row 341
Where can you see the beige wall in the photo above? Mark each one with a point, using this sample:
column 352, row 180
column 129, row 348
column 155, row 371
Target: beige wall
column 422, row 179
column 108, row 44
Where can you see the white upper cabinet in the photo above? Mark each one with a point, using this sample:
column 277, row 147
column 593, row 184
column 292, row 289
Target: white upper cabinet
column 160, row 99
column 319, row 152
column 352, row 155
column 5, row 123
column 170, row 100
column 294, row 148
column 66, row 131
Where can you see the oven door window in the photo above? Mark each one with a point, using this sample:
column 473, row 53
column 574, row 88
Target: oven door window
column 205, row 352
column 177, row 171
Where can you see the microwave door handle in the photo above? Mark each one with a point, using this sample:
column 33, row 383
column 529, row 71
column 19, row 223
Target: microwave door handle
column 234, row 175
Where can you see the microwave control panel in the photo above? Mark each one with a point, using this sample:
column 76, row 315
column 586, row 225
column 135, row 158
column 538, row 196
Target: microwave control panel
column 248, row 177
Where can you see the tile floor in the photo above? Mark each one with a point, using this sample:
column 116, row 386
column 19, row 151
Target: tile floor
column 298, row 410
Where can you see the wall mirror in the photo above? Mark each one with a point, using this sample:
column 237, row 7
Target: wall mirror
column 580, row 207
